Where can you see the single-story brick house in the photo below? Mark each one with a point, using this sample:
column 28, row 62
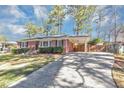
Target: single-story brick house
column 69, row 43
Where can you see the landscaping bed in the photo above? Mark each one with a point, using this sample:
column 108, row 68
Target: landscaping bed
column 14, row 67
column 118, row 71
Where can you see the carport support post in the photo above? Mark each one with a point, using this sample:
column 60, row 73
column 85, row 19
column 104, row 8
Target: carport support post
column 85, row 47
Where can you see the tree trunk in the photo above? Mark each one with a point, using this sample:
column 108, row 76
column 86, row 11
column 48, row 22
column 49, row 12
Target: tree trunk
column 115, row 32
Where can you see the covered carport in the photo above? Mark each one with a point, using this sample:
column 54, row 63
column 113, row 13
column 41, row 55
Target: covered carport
column 79, row 43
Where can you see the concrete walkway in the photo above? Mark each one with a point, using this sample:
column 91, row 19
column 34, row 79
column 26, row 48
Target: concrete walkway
column 73, row 70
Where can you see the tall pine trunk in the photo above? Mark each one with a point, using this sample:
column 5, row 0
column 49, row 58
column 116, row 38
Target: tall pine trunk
column 115, row 32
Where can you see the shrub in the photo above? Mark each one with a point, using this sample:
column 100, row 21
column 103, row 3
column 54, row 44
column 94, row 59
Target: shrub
column 46, row 50
column 95, row 41
column 14, row 51
column 57, row 49
column 51, row 50
column 20, row 50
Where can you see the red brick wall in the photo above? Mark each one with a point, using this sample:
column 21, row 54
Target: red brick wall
column 18, row 44
column 68, row 46
column 32, row 44
column 65, row 46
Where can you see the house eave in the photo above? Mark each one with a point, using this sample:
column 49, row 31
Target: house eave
column 84, row 38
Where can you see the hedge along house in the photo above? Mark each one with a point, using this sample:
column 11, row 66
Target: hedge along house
column 69, row 43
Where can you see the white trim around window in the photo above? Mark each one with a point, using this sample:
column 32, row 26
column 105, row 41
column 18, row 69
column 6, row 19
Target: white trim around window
column 44, row 44
column 59, row 43
column 48, row 44
column 40, row 44
column 23, row 44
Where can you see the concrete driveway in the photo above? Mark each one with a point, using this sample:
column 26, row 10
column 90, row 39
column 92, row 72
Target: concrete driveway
column 73, row 70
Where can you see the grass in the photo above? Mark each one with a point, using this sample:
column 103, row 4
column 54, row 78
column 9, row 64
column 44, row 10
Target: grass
column 12, row 73
column 6, row 57
column 118, row 70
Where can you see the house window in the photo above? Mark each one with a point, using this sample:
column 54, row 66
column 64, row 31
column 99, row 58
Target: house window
column 24, row 44
column 60, row 43
column 50, row 42
column 45, row 43
column 21, row 45
column 56, row 43
column 40, row 44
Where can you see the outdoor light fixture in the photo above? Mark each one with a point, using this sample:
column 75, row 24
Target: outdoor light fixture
column 75, row 44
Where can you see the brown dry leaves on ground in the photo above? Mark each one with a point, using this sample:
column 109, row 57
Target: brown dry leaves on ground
column 118, row 71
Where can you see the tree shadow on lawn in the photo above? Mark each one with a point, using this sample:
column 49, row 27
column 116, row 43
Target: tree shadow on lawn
column 45, row 77
column 9, row 76
column 6, row 57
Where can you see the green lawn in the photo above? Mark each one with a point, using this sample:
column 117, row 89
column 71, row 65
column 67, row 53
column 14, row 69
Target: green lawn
column 6, row 57
column 14, row 71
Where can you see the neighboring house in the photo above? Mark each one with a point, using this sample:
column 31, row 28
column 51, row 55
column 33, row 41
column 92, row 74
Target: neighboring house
column 120, row 37
column 121, row 49
column 119, row 45
column 69, row 43
column 5, row 47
